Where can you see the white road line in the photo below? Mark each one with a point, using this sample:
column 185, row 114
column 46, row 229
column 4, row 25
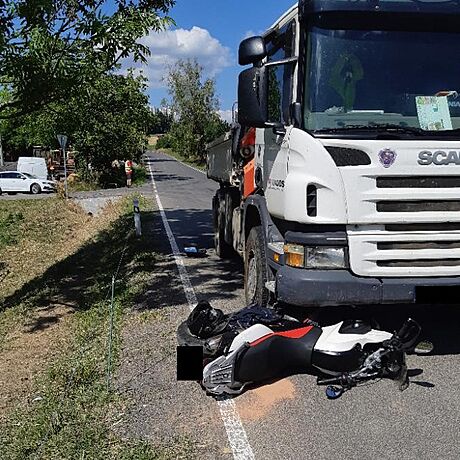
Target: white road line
column 236, row 433
column 182, row 163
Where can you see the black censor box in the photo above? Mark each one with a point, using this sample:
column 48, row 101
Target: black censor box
column 189, row 363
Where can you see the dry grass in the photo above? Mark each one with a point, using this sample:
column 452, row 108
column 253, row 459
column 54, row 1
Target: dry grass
column 41, row 233
column 36, row 235
column 54, row 364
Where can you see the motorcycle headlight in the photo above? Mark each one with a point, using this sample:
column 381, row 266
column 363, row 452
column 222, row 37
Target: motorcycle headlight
column 325, row 257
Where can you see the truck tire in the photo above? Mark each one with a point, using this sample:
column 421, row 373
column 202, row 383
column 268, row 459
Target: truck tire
column 255, row 268
column 223, row 249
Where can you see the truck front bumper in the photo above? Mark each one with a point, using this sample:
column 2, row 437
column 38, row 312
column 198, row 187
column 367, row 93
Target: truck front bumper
column 303, row 287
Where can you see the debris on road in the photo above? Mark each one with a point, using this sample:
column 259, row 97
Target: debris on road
column 195, row 251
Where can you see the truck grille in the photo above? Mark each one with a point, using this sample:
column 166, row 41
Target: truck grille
column 404, row 219
column 439, row 227
column 418, row 182
column 405, row 250
column 420, row 245
column 418, row 206
column 419, row 263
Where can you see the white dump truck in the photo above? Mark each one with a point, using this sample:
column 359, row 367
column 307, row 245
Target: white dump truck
column 340, row 179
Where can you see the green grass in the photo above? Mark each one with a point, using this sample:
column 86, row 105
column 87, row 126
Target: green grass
column 75, row 412
column 9, row 227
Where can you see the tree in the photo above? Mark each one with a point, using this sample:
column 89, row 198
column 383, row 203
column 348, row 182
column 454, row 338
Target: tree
column 160, row 121
column 110, row 121
column 195, row 107
column 50, row 48
column 104, row 122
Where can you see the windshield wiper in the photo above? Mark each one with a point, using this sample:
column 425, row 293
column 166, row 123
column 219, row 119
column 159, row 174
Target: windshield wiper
column 378, row 128
column 388, row 128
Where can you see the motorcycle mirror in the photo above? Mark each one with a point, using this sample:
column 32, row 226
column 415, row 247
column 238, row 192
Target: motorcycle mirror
column 334, row 392
column 423, row 348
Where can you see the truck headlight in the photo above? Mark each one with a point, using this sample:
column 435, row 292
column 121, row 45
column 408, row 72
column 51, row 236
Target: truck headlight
column 325, row 257
column 294, row 255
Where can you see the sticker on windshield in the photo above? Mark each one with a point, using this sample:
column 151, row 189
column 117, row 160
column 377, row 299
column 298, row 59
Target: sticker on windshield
column 433, row 113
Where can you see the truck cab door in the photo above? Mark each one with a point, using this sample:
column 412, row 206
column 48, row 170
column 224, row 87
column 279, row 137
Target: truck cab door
column 273, row 162
column 272, row 144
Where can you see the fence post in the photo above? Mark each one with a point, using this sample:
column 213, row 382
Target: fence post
column 109, row 357
column 137, row 218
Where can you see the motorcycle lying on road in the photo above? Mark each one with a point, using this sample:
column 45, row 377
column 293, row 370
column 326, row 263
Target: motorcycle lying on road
column 257, row 345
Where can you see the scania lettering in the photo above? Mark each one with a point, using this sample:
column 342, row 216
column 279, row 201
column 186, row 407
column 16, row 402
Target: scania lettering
column 340, row 178
column 438, row 158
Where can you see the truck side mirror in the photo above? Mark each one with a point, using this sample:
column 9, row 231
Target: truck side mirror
column 252, row 50
column 253, row 97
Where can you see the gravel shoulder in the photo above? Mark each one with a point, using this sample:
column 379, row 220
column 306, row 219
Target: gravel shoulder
column 160, row 409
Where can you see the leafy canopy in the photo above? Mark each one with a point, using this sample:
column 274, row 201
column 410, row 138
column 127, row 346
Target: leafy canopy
column 49, row 48
column 195, row 107
column 104, row 122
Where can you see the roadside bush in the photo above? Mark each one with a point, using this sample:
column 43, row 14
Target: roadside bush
column 116, row 177
column 164, row 142
column 139, row 175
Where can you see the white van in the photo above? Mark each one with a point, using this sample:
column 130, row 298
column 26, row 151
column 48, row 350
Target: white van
column 35, row 166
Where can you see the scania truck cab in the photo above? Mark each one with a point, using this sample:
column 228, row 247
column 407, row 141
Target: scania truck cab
column 340, row 180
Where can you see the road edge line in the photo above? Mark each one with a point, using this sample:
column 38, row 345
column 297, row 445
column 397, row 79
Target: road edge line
column 236, row 433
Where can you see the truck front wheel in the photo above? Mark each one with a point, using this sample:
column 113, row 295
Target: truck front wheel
column 255, row 268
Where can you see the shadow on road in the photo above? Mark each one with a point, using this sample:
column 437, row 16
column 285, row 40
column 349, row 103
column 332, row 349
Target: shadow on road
column 169, row 177
column 159, row 160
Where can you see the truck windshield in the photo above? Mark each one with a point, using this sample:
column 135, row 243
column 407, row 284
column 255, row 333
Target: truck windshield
column 376, row 79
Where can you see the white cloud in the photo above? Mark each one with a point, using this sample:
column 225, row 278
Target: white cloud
column 171, row 45
column 226, row 115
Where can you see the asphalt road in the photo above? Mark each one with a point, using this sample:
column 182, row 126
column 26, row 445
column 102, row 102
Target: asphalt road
column 292, row 419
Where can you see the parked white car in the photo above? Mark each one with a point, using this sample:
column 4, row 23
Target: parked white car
column 15, row 181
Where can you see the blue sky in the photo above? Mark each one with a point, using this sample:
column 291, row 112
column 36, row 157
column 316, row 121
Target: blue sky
column 210, row 31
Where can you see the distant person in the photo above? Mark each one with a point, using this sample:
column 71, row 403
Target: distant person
column 129, row 172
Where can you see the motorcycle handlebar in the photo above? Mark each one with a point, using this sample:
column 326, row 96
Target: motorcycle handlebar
column 346, row 380
column 332, row 381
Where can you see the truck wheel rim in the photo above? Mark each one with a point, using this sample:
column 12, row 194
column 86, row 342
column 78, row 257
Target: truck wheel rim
column 252, row 277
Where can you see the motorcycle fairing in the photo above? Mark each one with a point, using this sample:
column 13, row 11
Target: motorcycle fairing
column 259, row 355
column 333, row 340
column 337, row 351
column 277, row 355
